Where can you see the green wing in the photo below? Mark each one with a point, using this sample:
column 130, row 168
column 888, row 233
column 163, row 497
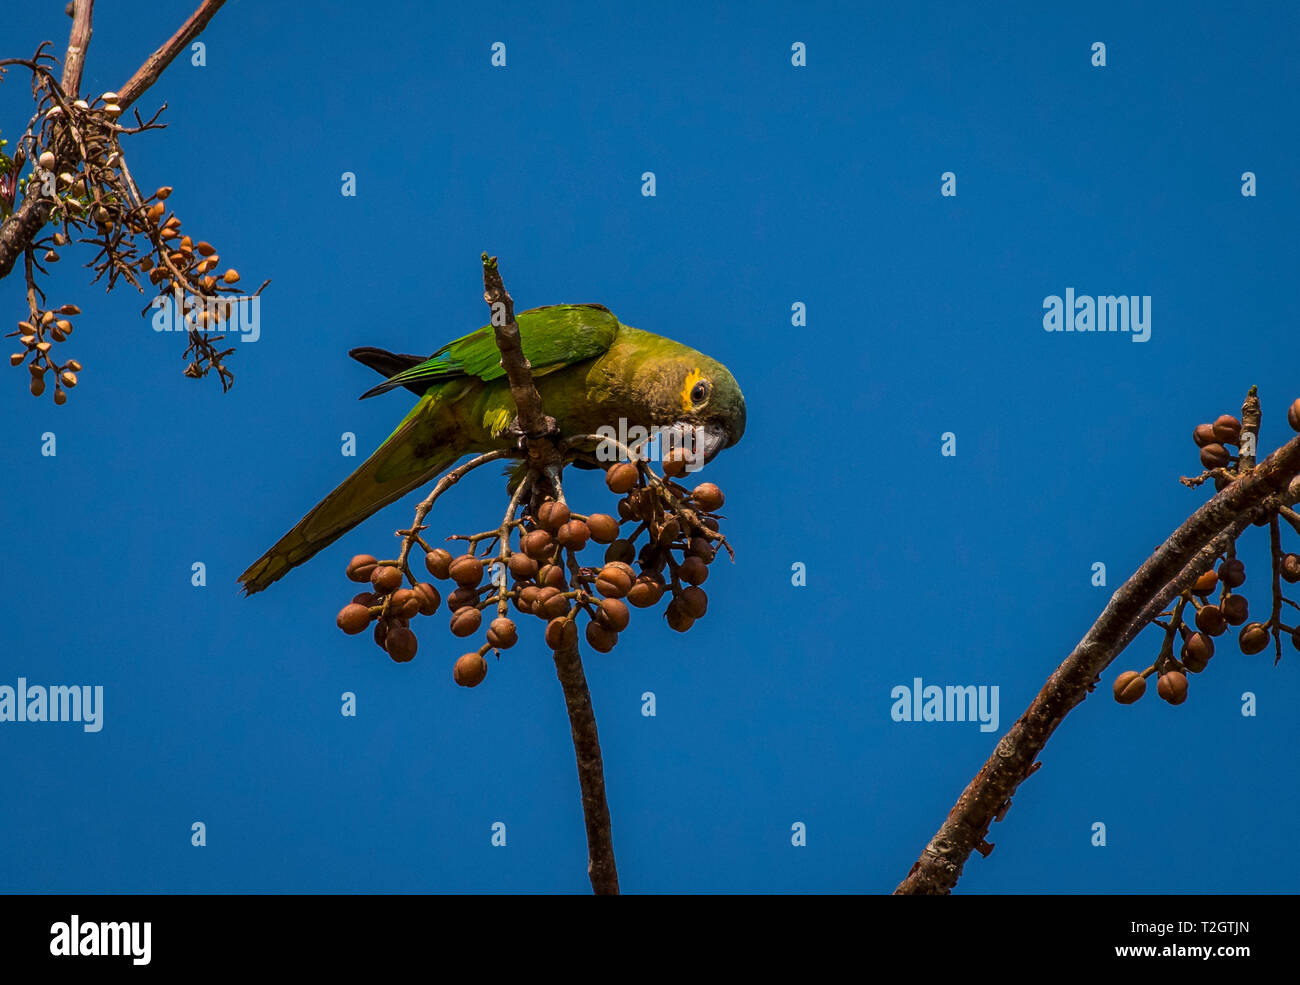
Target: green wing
column 554, row 336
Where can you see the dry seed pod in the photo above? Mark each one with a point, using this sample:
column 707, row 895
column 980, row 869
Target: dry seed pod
column 429, row 598
column 1129, row 686
column 502, row 633
column 465, row 621
column 603, row 527
column 1209, row 619
column 538, row 545
column 675, row 463
column 404, row 602
column 573, row 535
column 522, row 566
column 461, row 597
column 599, row 638
column 1235, row 609
column 614, row 580
column 613, row 614
column 353, row 618
column 361, row 567
column 1232, row 573
column 693, row 570
column 620, row 477
column 707, row 497
column 620, row 550
column 678, row 618
column 1215, row 456
column 646, row 591
column 1290, row 568
column 1253, row 638
column 552, row 515
column 694, row 601
column 561, row 632
column 438, row 563
column 386, row 578
column 470, row 670
column 552, row 576
column 401, row 644
column 1227, row 429
column 466, row 570
column 1173, row 687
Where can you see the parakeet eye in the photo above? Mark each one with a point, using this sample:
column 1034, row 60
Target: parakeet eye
column 700, row 392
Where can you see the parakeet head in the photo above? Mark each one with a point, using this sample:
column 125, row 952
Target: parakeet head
column 692, row 397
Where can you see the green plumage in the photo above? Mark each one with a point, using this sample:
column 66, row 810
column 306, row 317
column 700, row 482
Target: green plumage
column 591, row 371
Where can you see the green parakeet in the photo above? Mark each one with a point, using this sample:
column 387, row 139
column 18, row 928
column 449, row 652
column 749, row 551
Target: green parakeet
column 591, row 371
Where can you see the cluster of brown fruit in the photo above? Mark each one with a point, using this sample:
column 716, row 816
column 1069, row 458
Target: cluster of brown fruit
column 35, row 335
column 533, row 563
column 1213, row 440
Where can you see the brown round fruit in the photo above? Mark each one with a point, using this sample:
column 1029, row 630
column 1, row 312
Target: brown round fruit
column 1232, row 573
column 502, row 633
column 1227, row 429
column 675, row 463
column 1197, row 652
column 693, row 570
column 1204, row 435
column 404, row 602
column 461, row 597
column 600, row 639
column 469, row 670
column 353, row 618
column 552, row 515
column 708, row 497
column 538, row 545
column 429, row 598
column 1253, row 638
column 361, row 567
column 386, row 579
column 694, row 601
column 466, row 570
column 1207, row 583
column 1293, row 415
column 552, row 576
column 522, row 566
column 1209, row 619
column 401, row 644
column 365, row 598
column 573, row 535
column 614, row 581
column 1290, row 568
column 1129, row 686
column 678, row 618
column 438, row 561
column 561, row 632
column 620, row 477
column 614, row 614
column 1215, row 456
column 465, row 622
column 620, row 550
column 1173, row 687
column 603, row 527
column 1235, row 609
column 646, row 591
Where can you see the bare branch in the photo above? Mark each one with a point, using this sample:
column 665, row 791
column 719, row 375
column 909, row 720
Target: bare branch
column 1191, row 549
column 74, row 62
column 147, row 74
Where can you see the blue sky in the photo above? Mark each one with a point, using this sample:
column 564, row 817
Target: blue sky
column 775, row 185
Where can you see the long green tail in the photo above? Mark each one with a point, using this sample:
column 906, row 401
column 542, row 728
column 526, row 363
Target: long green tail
column 412, row 455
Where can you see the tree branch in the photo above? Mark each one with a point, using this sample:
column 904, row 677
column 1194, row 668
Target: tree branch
column 545, row 462
column 75, row 59
column 147, row 74
column 1190, row 550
